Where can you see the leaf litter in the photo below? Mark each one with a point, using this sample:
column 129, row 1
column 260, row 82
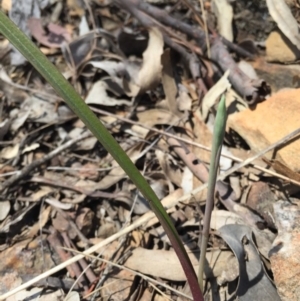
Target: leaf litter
column 147, row 72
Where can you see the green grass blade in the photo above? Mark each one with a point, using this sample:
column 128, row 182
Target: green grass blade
column 74, row 101
column 218, row 136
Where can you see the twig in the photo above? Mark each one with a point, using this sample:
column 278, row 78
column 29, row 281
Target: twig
column 75, row 266
column 91, row 193
column 108, row 266
column 55, row 242
column 252, row 91
column 205, row 28
column 73, row 225
column 84, row 266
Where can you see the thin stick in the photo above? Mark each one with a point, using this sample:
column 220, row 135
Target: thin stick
column 205, row 29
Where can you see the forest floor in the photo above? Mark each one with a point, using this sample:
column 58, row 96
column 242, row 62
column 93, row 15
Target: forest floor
column 153, row 72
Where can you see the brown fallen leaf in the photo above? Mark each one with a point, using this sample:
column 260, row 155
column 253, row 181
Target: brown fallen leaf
column 221, row 264
column 56, row 36
column 168, row 82
column 118, row 284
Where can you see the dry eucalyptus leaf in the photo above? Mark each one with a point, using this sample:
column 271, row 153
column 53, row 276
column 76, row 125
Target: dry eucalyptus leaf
column 112, row 68
column 43, row 219
column 72, row 296
column 6, row 5
column 157, row 116
column 183, row 99
column 224, row 12
column 270, row 122
column 172, row 173
column 57, row 204
column 10, row 152
column 55, row 36
column 20, row 12
column 87, row 144
column 286, row 22
column 119, row 286
column 78, row 50
column 187, row 180
column 150, row 74
column 19, row 120
column 168, row 82
column 4, row 209
column 83, row 26
column 41, row 110
column 221, row 264
column 219, row 218
column 98, row 95
column 168, row 202
column 141, row 205
column 212, row 95
column 76, row 8
column 30, row 148
column 75, row 132
column 132, row 77
column 85, row 220
column 26, row 258
column 42, row 192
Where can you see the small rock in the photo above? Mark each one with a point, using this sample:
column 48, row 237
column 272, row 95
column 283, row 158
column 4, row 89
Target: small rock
column 276, row 75
column 270, row 121
column 280, row 49
column 284, row 254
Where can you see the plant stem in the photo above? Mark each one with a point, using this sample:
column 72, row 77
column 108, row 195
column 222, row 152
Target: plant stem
column 218, row 136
